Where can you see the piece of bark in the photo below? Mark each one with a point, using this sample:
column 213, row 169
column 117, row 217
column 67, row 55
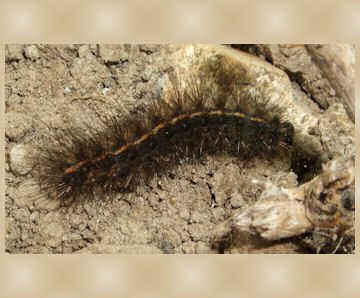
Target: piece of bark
column 337, row 62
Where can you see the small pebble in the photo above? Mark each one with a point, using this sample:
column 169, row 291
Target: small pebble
column 237, row 201
column 105, row 90
column 166, row 247
column 17, row 157
column 67, row 90
column 32, row 52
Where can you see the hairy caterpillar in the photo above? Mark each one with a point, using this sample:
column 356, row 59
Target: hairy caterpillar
column 210, row 115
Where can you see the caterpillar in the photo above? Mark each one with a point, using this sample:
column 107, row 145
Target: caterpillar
column 210, row 115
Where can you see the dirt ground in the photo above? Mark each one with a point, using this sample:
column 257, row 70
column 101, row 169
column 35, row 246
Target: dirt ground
column 185, row 211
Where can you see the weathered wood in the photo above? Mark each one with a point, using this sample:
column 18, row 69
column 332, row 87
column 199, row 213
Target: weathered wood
column 337, row 62
column 326, row 204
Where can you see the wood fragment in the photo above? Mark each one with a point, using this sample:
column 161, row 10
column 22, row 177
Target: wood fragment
column 337, row 62
column 326, row 202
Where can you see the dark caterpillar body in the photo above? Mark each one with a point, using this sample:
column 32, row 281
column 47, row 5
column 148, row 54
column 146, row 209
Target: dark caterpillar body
column 184, row 136
column 187, row 125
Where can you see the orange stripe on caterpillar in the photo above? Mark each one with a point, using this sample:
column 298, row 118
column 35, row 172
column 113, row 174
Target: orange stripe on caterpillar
column 256, row 119
column 154, row 131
